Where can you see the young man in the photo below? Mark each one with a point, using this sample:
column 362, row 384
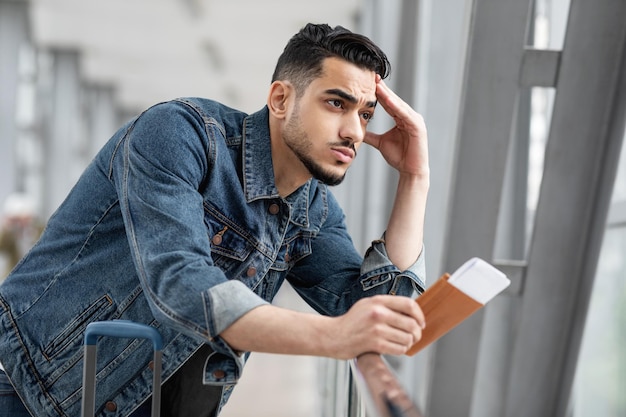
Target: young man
column 191, row 217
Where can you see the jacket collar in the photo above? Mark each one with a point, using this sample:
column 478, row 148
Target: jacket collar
column 258, row 171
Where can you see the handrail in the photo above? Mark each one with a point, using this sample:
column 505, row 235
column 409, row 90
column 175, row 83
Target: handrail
column 380, row 391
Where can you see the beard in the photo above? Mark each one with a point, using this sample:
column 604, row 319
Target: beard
column 300, row 144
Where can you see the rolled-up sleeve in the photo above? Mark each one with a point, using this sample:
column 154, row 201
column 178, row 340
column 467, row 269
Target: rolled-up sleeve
column 221, row 311
column 377, row 268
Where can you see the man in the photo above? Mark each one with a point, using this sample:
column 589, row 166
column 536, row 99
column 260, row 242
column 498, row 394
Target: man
column 191, row 217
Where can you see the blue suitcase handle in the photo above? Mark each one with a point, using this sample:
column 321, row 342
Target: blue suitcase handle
column 119, row 329
column 122, row 329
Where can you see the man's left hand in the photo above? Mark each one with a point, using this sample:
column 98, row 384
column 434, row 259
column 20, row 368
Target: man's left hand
column 404, row 146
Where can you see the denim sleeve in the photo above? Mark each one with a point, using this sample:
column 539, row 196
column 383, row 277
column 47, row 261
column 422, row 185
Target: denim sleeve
column 158, row 168
column 377, row 267
column 335, row 275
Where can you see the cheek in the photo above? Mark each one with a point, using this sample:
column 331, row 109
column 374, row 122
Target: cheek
column 320, row 129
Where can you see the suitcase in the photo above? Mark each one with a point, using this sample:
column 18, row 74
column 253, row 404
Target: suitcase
column 120, row 329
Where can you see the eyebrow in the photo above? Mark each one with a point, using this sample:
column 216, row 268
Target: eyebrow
column 349, row 97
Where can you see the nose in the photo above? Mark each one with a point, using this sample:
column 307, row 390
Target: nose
column 352, row 128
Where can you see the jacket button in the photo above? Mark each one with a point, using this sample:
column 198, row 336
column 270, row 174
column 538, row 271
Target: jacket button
column 151, row 365
column 251, row 272
column 217, row 240
column 219, row 374
column 287, row 257
column 110, row 406
column 274, row 208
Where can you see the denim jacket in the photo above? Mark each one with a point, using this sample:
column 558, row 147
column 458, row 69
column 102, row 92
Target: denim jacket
column 176, row 223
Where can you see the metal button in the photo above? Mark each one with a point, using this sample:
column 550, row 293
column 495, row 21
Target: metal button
column 110, row 406
column 287, row 257
column 217, row 240
column 274, row 208
column 219, row 374
column 251, row 272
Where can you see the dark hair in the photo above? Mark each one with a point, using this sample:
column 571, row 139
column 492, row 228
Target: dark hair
column 302, row 58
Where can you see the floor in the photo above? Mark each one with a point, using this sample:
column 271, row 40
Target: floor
column 277, row 385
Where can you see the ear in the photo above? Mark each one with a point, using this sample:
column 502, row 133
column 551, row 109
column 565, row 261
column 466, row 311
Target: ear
column 279, row 99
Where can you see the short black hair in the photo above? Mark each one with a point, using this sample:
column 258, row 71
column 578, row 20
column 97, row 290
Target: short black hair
column 304, row 54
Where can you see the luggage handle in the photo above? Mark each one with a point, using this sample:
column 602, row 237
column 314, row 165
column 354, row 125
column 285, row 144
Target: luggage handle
column 119, row 329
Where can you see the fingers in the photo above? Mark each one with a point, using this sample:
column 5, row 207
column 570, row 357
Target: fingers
column 408, row 123
column 372, row 139
column 406, row 307
column 399, row 323
column 409, row 318
column 391, row 102
column 385, row 324
column 404, row 335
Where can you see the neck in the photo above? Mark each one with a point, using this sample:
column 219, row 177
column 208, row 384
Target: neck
column 289, row 172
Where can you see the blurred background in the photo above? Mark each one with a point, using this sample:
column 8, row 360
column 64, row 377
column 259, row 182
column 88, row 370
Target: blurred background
column 525, row 102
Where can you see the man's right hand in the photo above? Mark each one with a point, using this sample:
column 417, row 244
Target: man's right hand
column 384, row 324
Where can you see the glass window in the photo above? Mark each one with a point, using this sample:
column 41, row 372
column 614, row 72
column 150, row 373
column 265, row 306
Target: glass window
column 550, row 24
column 600, row 381
column 601, row 373
column 619, row 189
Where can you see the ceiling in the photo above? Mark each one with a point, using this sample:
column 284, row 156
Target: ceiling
column 150, row 50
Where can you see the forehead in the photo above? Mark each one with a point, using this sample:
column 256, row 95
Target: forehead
column 347, row 77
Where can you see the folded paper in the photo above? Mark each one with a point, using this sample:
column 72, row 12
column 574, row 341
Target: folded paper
column 453, row 298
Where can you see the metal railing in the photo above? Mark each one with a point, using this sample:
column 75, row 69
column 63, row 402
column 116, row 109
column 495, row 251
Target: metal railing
column 376, row 391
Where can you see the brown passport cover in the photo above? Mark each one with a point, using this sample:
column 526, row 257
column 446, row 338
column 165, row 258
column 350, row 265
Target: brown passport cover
column 444, row 307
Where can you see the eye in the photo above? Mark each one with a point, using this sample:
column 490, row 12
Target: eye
column 336, row 103
column 367, row 116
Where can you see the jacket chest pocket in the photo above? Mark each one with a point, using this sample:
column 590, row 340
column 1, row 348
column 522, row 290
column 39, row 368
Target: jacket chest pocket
column 234, row 252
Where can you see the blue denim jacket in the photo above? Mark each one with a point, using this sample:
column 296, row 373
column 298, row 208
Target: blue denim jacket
column 176, row 223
